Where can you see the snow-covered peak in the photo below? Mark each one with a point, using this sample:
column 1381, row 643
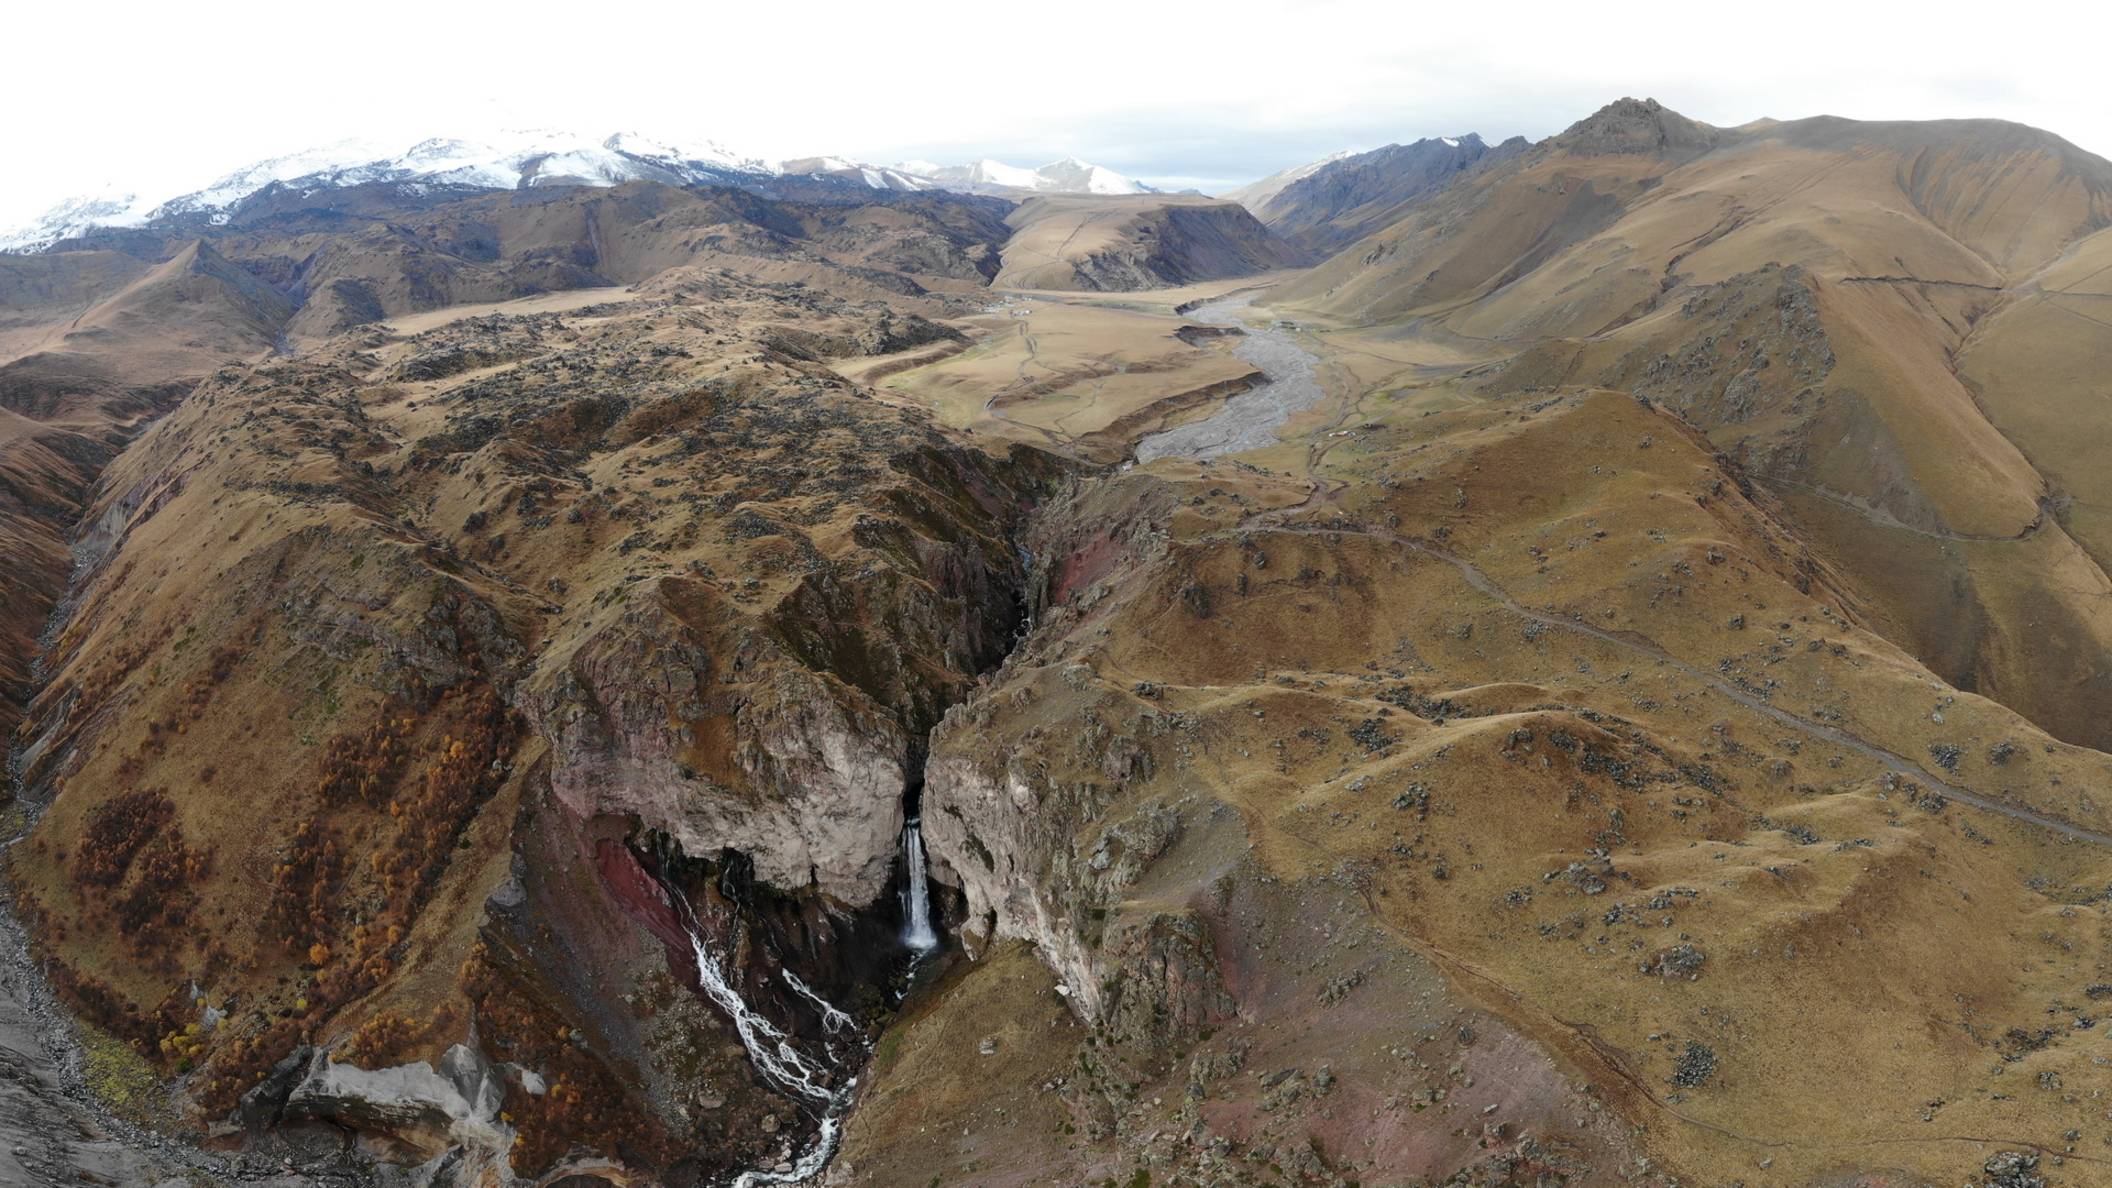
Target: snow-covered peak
column 984, row 176
column 691, row 152
column 1068, row 176
column 509, row 160
column 75, row 216
column 872, row 177
column 1074, row 176
column 992, row 173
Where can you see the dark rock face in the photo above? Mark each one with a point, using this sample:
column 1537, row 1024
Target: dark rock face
column 1346, row 200
column 889, row 334
column 1163, row 988
column 1198, row 335
column 1181, row 245
column 1137, row 245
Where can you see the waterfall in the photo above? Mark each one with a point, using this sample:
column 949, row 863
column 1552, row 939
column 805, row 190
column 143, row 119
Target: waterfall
column 770, row 1049
column 917, row 932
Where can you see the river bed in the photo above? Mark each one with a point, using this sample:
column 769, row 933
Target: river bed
column 1249, row 420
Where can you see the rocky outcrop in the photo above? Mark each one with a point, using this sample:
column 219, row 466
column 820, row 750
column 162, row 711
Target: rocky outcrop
column 425, row 1109
column 1011, row 843
column 1746, row 359
column 985, row 835
column 1629, row 125
column 1162, row 989
column 800, row 774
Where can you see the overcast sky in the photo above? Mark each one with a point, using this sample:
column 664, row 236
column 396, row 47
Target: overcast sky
column 166, row 97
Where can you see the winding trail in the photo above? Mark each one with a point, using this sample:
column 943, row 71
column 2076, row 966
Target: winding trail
column 1644, row 646
column 1877, row 515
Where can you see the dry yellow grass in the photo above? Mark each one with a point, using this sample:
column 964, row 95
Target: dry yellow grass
column 1624, row 710
column 1054, row 372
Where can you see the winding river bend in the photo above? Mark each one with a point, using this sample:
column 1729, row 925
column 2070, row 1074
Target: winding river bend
column 1249, row 420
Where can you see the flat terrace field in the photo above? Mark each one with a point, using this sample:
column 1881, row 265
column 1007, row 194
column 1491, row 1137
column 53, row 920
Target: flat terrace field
column 1059, row 371
column 1091, row 373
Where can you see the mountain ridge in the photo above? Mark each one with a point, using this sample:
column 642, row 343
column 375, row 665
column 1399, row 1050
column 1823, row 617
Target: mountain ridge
column 537, row 158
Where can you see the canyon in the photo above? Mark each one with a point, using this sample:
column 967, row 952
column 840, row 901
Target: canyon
column 1522, row 664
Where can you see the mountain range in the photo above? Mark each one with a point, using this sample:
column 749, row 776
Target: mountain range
column 529, row 159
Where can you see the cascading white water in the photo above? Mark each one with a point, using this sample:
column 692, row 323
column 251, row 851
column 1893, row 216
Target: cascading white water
column 832, row 1020
column 768, row 1045
column 772, row 1053
column 917, row 933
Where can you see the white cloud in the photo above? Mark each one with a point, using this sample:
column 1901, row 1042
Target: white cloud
column 158, row 96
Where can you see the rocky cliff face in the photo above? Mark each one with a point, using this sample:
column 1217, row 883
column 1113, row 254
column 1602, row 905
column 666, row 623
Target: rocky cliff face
column 812, row 789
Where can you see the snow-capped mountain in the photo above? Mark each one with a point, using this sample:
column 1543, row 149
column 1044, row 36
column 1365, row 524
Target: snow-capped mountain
column 76, row 216
column 874, row 177
column 520, row 160
column 986, row 176
column 514, row 160
column 1068, row 176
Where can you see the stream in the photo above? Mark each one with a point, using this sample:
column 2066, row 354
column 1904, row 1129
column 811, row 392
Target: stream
column 1249, row 420
column 814, row 1081
column 801, row 1077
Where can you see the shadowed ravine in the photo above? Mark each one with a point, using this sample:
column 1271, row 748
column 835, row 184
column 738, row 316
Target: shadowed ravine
column 802, row 1077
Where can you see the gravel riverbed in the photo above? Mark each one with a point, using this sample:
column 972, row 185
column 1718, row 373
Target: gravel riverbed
column 1249, row 420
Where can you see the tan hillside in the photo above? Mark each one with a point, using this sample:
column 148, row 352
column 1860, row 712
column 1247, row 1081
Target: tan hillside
column 1424, row 818
column 1077, row 241
column 1806, row 292
column 93, row 345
